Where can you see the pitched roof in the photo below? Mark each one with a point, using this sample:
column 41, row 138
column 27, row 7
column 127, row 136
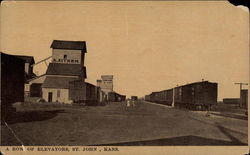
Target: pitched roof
column 199, row 82
column 66, row 69
column 80, row 82
column 107, row 76
column 28, row 59
column 10, row 58
column 75, row 45
column 35, row 77
column 57, row 82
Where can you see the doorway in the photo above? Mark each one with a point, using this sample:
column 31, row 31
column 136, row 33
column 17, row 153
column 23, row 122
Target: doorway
column 50, row 97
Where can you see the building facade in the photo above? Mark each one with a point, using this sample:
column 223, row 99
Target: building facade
column 244, row 98
column 106, row 83
column 28, row 66
column 28, row 69
column 33, row 87
column 67, row 65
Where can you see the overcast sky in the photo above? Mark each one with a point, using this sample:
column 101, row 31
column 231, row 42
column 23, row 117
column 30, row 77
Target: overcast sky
column 147, row 46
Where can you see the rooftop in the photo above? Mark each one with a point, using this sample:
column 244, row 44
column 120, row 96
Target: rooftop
column 199, row 82
column 36, row 77
column 74, row 45
column 27, row 59
column 66, row 69
column 9, row 57
column 107, row 76
column 57, row 82
column 22, row 58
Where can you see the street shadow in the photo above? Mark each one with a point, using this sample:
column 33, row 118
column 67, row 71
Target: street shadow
column 230, row 116
column 225, row 131
column 179, row 141
column 31, row 116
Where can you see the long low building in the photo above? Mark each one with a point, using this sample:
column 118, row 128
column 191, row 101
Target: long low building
column 231, row 100
column 115, row 97
column 197, row 95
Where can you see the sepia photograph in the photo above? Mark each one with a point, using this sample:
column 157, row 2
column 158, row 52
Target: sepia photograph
column 103, row 75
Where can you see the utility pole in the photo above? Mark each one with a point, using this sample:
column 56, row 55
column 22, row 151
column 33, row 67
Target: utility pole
column 173, row 97
column 240, row 83
column 173, row 101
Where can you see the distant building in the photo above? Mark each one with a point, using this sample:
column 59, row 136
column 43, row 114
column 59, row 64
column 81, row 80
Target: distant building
column 134, row 98
column 67, row 65
column 242, row 101
column 12, row 82
column 231, row 100
column 115, row 97
column 106, row 83
column 244, row 98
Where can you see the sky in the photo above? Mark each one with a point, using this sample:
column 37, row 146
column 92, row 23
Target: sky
column 147, row 46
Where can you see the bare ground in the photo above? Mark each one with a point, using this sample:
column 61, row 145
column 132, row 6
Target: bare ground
column 116, row 124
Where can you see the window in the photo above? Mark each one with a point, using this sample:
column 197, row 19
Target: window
column 64, row 56
column 58, row 93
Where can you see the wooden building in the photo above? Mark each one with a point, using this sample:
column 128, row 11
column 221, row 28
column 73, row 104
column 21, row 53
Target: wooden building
column 33, row 87
column 83, row 92
column 12, row 82
column 116, row 97
column 67, row 65
column 28, row 66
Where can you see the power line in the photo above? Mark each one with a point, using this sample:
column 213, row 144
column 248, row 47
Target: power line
column 41, row 61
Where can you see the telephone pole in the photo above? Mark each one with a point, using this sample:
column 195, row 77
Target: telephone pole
column 173, row 101
column 240, row 83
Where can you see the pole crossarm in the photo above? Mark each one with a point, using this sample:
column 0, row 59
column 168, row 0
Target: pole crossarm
column 241, row 83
